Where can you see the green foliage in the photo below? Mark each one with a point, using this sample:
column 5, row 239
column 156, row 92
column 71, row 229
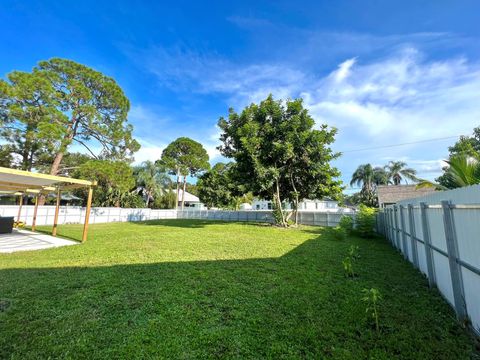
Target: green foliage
column 339, row 233
column 352, row 256
column 365, row 220
column 165, row 201
column 354, row 252
column 6, row 158
column 216, row 187
column 115, row 182
column 61, row 102
column 398, row 171
column 185, row 156
column 278, row 153
column 348, row 267
column 372, row 298
column 151, row 180
column 346, row 223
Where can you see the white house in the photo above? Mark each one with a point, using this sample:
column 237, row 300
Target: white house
column 306, row 205
column 191, row 201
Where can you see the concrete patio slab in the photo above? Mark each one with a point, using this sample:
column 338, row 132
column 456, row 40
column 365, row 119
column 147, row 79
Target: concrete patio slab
column 23, row 240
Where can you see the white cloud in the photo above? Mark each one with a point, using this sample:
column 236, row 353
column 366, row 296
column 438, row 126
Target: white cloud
column 148, row 151
column 402, row 97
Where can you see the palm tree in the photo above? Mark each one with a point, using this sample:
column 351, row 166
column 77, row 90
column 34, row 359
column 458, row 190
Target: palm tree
column 151, row 180
column 463, row 170
column 397, row 171
column 368, row 176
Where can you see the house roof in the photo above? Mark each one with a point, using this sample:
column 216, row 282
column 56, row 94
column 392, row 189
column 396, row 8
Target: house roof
column 390, row 194
column 188, row 197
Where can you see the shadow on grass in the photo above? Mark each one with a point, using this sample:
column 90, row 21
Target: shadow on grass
column 196, row 223
column 296, row 306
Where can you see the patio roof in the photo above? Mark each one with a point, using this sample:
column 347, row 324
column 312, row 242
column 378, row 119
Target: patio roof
column 12, row 180
column 19, row 182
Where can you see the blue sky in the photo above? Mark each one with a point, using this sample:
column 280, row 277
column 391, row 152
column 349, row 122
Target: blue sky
column 382, row 72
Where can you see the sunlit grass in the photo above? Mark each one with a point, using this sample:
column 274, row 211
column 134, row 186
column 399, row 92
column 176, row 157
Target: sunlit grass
column 198, row 289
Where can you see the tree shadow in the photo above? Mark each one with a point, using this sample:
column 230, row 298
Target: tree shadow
column 196, row 223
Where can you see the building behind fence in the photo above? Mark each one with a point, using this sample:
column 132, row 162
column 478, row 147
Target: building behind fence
column 76, row 214
column 440, row 235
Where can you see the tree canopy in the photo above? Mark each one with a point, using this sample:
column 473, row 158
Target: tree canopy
column 216, row 188
column 61, row 102
column 278, row 153
column 184, row 157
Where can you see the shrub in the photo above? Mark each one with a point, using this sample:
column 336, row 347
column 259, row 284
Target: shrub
column 348, row 267
column 365, row 220
column 353, row 252
column 346, row 223
column 339, row 233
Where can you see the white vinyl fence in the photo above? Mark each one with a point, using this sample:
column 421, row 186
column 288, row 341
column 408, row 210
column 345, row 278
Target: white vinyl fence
column 440, row 235
column 315, row 218
column 76, row 215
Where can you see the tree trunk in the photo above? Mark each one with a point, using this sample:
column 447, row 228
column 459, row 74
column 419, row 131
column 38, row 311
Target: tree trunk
column 178, row 190
column 279, row 204
column 183, row 193
column 56, row 163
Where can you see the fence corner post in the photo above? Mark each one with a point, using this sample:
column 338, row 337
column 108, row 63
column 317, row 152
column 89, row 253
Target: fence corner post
column 455, row 267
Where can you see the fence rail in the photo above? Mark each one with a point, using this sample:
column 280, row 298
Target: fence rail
column 440, row 235
column 76, row 214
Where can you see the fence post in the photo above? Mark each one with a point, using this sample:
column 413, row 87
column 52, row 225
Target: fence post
column 392, row 228
column 413, row 234
column 404, row 233
column 455, row 267
column 395, row 230
column 328, row 218
column 427, row 241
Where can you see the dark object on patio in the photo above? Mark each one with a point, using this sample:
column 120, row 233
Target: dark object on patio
column 6, row 225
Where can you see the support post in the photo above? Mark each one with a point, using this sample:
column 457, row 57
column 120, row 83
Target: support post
column 35, row 209
column 404, row 234
column 87, row 214
column 413, row 234
column 455, row 267
column 57, row 210
column 20, row 208
column 427, row 241
column 395, row 232
column 392, row 224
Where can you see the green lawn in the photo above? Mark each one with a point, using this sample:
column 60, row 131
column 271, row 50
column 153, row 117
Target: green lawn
column 188, row 289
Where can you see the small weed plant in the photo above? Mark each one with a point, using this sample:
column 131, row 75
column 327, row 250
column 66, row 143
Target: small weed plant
column 372, row 297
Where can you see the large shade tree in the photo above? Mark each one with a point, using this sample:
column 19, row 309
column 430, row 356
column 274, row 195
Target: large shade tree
column 184, row 157
column 61, row 102
column 28, row 107
column 278, row 153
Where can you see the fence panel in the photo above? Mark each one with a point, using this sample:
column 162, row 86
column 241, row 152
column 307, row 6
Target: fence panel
column 439, row 234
